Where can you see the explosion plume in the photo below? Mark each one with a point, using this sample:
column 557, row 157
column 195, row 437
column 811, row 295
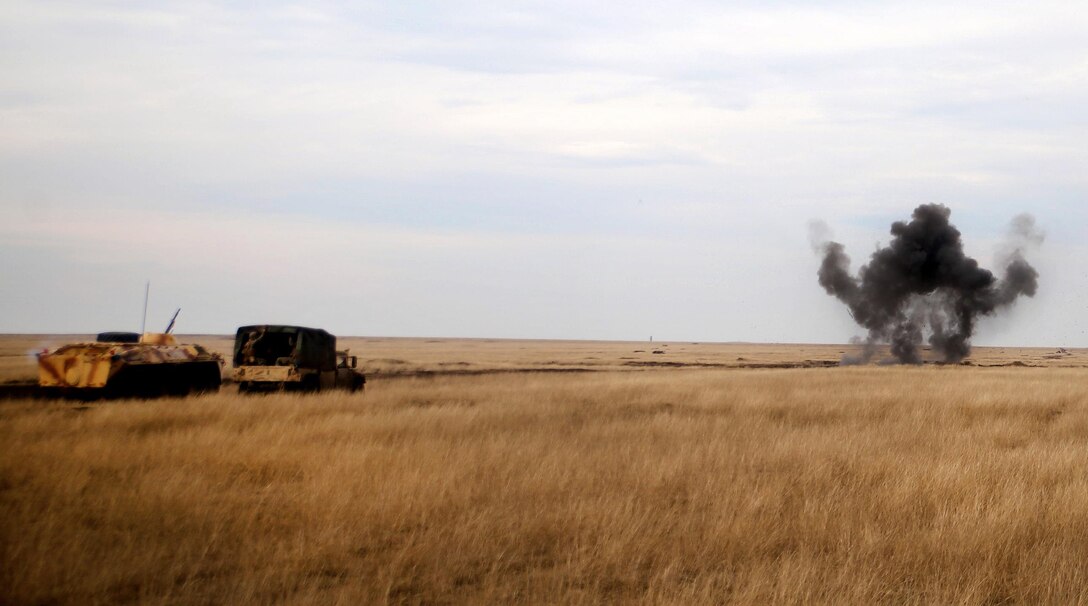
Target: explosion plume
column 922, row 284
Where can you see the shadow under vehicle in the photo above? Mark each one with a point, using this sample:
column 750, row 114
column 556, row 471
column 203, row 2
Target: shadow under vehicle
column 271, row 357
column 126, row 364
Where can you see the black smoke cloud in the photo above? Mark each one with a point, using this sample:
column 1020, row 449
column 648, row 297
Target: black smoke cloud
column 922, row 284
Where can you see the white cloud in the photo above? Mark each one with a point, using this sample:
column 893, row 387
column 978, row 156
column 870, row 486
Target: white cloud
column 474, row 140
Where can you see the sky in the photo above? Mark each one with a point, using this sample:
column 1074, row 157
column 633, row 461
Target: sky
column 558, row 170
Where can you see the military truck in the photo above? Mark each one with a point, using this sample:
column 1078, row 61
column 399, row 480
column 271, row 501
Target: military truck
column 271, row 357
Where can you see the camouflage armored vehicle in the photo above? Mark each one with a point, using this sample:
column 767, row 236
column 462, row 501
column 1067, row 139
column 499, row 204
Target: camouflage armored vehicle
column 124, row 364
column 278, row 357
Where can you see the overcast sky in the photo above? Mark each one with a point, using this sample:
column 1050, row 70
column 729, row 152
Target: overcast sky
column 588, row 170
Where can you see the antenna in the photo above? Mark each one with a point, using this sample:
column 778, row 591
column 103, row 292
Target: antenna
column 147, row 291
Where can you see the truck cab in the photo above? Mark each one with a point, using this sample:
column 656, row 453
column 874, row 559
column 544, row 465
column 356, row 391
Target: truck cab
column 346, row 374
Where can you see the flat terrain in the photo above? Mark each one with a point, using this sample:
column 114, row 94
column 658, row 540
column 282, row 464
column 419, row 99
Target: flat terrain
column 380, row 356
column 471, row 472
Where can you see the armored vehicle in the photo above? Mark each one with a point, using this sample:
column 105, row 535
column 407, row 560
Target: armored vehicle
column 120, row 364
column 278, row 357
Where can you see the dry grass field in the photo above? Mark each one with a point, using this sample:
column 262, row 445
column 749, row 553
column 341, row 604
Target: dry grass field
column 700, row 482
column 386, row 356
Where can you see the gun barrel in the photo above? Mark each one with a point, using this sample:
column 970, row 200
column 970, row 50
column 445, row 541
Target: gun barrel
column 170, row 326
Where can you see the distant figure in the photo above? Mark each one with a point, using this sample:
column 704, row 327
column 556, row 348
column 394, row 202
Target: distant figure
column 249, row 349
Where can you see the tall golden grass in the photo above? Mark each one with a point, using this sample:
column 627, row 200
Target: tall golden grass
column 857, row 485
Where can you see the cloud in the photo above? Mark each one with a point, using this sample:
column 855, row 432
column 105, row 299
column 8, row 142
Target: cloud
column 430, row 137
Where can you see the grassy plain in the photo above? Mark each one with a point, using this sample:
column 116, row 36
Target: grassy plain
column 389, row 356
column 635, row 483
